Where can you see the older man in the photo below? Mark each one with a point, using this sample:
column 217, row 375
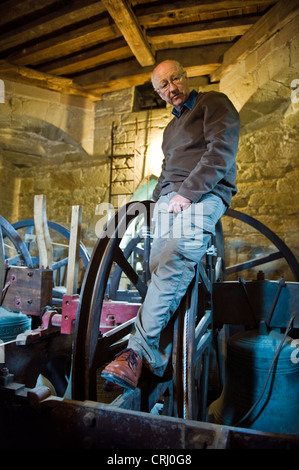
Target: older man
column 195, row 188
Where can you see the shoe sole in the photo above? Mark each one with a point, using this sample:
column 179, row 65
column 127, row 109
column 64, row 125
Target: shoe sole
column 111, row 387
column 118, row 380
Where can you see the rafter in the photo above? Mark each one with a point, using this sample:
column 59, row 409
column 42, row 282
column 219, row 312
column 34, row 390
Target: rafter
column 97, row 56
column 127, row 23
column 176, row 12
column 48, row 23
column 80, row 38
column 204, row 31
column 50, row 82
column 20, row 8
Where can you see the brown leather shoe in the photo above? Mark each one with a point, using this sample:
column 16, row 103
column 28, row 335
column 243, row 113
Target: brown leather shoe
column 125, row 370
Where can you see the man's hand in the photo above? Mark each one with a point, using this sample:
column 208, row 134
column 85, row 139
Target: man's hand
column 178, row 203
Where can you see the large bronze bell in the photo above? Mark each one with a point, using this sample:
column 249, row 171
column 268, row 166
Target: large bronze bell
column 250, row 355
column 12, row 324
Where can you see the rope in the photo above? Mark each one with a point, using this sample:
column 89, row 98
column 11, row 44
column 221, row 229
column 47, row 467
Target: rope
column 185, row 357
column 269, row 372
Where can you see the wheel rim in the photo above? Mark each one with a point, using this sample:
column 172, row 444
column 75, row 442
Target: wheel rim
column 283, row 250
column 106, row 252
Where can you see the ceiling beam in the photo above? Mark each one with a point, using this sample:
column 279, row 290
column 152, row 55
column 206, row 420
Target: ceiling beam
column 173, row 12
column 13, row 10
column 124, row 18
column 28, row 76
column 271, row 22
column 89, row 59
column 66, row 43
column 48, row 23
column 204, row 31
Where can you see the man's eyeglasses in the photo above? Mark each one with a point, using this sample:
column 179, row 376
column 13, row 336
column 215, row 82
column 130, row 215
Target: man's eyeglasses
column 175, row 81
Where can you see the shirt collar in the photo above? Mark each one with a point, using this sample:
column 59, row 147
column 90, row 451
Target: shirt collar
column 188, row 104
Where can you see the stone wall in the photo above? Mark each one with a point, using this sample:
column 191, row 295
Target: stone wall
column 46, row 144
column 263, row 88
column 10, row 182
column 268, row 170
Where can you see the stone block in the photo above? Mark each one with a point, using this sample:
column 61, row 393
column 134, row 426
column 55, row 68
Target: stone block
column 77, row 102
column 36, row 94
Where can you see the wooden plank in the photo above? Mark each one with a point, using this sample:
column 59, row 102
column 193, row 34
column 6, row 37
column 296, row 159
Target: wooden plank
column 112, row 51
column 200, row 32
column 120, row 83
column 50, row 82
column 75, row 65
column 66, row 43
column 275, row 19
column 13, row 10
column 176, row 11
column 115, row 51
column 79, row 10
column 74, row 248
column 42, row 232
column 126, row 21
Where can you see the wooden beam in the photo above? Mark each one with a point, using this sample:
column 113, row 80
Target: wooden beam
column 50, row 82
column 275, row 19
column 196, row 57
column 67, row 43
column 43, row 239
column 48, row 23
column 73, row 254
column 13, row 10
column 204, row 31
column 172, row 12
column 126, row 21
column 100, row 83
column 109, row 52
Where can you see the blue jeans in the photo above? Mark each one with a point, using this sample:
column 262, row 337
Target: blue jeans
column 179, row 243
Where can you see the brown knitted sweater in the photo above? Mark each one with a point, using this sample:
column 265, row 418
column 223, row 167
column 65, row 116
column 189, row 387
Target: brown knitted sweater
column 200, row 149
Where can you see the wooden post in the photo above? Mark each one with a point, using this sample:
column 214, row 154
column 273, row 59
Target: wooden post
column 2, row 264
column 42, row 232
column 74, row 248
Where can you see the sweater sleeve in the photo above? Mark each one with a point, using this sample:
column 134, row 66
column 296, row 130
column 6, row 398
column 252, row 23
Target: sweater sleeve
column 221, row 129
column 157, row 189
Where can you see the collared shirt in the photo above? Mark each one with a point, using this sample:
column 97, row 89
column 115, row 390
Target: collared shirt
column 188, row 104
